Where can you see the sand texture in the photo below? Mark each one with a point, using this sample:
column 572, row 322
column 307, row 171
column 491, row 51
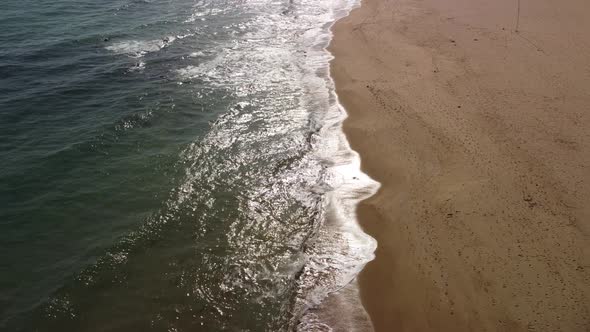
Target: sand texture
column 479, row 131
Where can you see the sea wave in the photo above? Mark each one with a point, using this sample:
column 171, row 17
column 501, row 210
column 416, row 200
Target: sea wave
column 139, row 48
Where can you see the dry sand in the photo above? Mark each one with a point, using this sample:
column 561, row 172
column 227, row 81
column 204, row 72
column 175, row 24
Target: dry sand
column 480, row 136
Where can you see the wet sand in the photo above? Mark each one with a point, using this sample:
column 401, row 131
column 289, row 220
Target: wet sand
column 475, row 117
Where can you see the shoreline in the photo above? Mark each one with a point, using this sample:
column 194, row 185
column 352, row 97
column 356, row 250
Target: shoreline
column 476, row 133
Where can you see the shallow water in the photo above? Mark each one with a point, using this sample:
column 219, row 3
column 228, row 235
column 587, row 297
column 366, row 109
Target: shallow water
column 173, row 166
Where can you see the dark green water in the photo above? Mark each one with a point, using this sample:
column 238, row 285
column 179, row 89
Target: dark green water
column 167, row 165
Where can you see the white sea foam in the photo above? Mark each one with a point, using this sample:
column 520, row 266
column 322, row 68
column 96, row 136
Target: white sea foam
column 197, row 54
column 139, row 48
column 341, row 248
column 139, row 66
column 288, row 56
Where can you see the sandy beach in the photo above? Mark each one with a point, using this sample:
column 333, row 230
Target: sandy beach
column 474, row 116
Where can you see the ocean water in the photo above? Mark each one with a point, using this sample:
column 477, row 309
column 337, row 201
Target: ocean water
column 174, row 165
